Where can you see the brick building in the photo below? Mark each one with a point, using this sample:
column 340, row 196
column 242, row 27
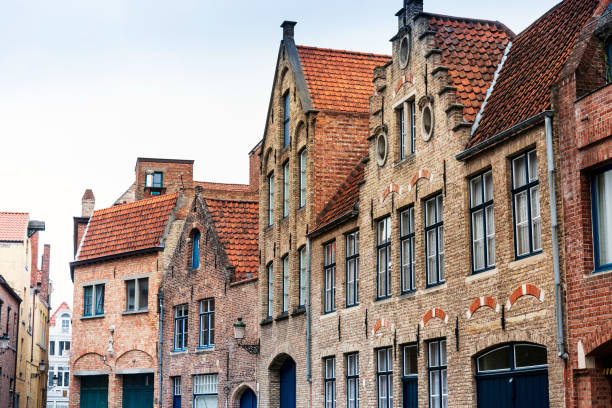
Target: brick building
column 9, row 325
column 19, row 263
column 316, row 128
column 584, row 100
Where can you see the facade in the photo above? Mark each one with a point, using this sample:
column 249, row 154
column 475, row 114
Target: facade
column 585, row 97
column 10, row 303
column 316, row 130
column 20, row 268
column 60, row 338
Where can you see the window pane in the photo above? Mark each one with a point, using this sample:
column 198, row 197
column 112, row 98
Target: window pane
column 303, row 178
column 130, row 287
column 527, row 355
column 99, row 299
column 498, row 359
column 430, row 212
column 519, row 172
column 443, row 352
column 478, row 239
column 476, row 191
column 434, row 356
column 410, row 360
column 440, row 209
column 603, row 205
column 533, row 165
column 535, row 219
column 490, row 236
column 431, row 256
column 488, row 186
column 522, row 223
column 143, row 296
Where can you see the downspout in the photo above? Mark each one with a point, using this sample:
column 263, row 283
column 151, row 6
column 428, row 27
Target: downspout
column 308, row 318
column 554, row 227
column 160, row 298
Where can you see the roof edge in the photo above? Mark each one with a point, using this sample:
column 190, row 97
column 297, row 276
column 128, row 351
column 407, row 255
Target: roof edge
column 104, row 258
column 9, row 289
column 333, row 223
column 476, row 20
column 159, row 160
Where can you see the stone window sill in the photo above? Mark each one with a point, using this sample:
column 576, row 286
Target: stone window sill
column 178, row 352
column 132, row 312
column 92, row 317
column 266, row 321
column 282, row 316
column 201, row 350
column 298, row 311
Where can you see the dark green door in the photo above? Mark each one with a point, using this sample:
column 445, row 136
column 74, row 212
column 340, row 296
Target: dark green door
column 138, row 391
column 94, row 391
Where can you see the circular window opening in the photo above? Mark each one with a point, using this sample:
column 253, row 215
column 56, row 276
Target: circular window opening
column 427, row 121
column 404, row 51
column 381, row 149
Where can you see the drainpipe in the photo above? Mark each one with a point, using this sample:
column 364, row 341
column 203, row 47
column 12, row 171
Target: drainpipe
column 554, row 227
column 308, row 334
column 160, row 297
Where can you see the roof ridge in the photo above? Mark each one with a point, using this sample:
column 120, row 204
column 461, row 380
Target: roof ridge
column 472, row 19
column 137, row 203
column 344, row 51
column 14, row 212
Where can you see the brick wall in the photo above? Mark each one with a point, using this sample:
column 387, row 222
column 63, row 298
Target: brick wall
column 8, row 358
column 177, row 175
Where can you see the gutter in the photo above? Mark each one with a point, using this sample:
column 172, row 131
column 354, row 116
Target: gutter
column 333, row 223
column 504, row 134
column 554, row 227
column 308, row 321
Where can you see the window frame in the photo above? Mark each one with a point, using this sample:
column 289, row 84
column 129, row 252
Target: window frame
column 193, row 388
column 410, row 237
column 329, row 380
column 386, row 246
column 286, row 188
column 285, row 299
column 184, row 321
column 438, row 226
column 302, row 169
column 515, row 191
column 406, row 117
column 137, row 298
column 354, row 270
column 387, row 374
column 329, row 268
column 207, row 316
column 270, row 199
column 352, row 377
column 303, row 264
column 195, row 249
column 437, row 368
column 177, row 385
column 270, row 273
column 94, row 290
column 597, row 266
column 483, row 206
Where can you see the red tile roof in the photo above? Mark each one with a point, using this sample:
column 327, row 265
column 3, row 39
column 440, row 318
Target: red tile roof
column 237, row 224
column 339, row 80
column 536, row 58
column 63, row 306
column 13, row 226
column 127, row 227
column 345, row 199
column 472, row 50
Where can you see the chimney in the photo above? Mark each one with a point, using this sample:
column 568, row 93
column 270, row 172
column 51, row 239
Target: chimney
column 34, row 271
column 409, row 11
column 44, row 279
column 87, row 203
column 288, row 28
column 254, row 163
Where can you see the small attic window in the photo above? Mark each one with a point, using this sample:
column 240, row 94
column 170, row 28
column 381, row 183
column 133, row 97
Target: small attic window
column 195, row 249
column 427, row 122
column 381, row 149
column 404, row 50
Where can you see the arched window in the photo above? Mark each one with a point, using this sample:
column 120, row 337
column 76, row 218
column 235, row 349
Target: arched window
column 195, row 249
column 65, row 322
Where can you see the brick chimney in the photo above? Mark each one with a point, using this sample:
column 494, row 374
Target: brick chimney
column 44, row 273
column 409, row 11
column 254, row 163
column 88, row 203
column 34, row 271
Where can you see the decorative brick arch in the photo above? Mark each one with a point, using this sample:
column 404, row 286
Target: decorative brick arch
column 482, row 302
column 391, row 188
column 237, row 394
column 598, row 337
column 421, row 174
column 434, row 312
column 404, row 79
column 380, row 323
column 134, row 359
column 89, row 361
column 524, row 290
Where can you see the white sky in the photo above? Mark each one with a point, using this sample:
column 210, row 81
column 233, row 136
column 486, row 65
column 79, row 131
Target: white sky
column 87, row 86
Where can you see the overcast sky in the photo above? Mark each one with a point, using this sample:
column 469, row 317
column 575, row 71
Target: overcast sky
column 87, row 86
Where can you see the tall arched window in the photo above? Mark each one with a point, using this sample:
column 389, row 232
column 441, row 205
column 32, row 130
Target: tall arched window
column 195, row 249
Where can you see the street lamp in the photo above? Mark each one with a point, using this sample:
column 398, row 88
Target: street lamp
column 239, row 329
column 42, row 366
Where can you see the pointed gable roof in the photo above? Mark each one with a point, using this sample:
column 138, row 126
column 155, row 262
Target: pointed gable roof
column 63, row 306
column 127, row 227
column 536, row 58
column 13, row 226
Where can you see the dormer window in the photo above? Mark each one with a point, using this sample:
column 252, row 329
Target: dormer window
column 154, row 181
column 195, row 249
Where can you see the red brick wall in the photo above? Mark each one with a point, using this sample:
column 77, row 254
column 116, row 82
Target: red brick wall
column 177, row 175
column 7, row 359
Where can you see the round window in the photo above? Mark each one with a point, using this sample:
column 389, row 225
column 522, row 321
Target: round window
column 404, row 51
column 427, row 121
column 381, row 149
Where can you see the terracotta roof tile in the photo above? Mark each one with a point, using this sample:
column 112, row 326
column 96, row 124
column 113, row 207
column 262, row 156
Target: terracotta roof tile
column 13, row 226
column 237, row 224
column 536, row 58
column 339, row 80
column 127, row 227
column 63, row 306
column 345, row 199
column 472, row 50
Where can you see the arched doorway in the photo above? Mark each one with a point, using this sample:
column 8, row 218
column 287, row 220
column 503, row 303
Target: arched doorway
column 248, row 399
column 287, row 384
column 512, row 376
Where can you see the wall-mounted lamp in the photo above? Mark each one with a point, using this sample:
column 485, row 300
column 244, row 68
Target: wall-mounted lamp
column 239, row 328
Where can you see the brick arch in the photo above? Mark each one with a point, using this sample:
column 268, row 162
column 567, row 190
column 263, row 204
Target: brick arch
column 524, row 290
column 298, row 131
column 380, row 323
column 237, row 394
column 89, row 361
column 601, row 335
column 421, row 174
column 277, row 361
column 266, row 160
column 391, row 188
column 134, row 359
column 431, row 313
column 482, row 302
column 501, row 337
column 404, row 79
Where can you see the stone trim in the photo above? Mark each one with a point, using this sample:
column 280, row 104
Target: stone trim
column 524, row 290
column 482, row 302
column 431, row 313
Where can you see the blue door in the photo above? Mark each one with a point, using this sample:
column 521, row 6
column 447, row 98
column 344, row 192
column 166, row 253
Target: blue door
column 248, row 399
column 287, row 384
column 176, row 401
column 94, row 391
column 409, row 392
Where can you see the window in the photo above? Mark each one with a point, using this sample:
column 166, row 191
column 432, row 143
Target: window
column 330, row 382
column 436, row 365
column 176, row 386
column 60, row 376
column 286, row 118
column 483, row 224
column 66, row 377
column 8, row 319
column 526, row 204
column 303, row 178
column 410, row 375
column 602, row 219
column 427, row 122
column 404, row 50
column 384, row 369
column 137, row 294
column 62, row 346
column 154, row 179
column 330, row 277
column 52, row 348
column 50, row 375
column 303, row 266
column 407, row 129
column 195, row 249
column 352, row 269
column 381, row 149
column 207, row 323
column 407, row 249
column 65, row 323
column 512, row 357
column 271, row 199
column 286, row 284
column 180, row 327
column 93, row 300
column 352, row 380
column 383, row 249
column 205, row 391
column 286, row 178
column 434, row 240
column 270, row 289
